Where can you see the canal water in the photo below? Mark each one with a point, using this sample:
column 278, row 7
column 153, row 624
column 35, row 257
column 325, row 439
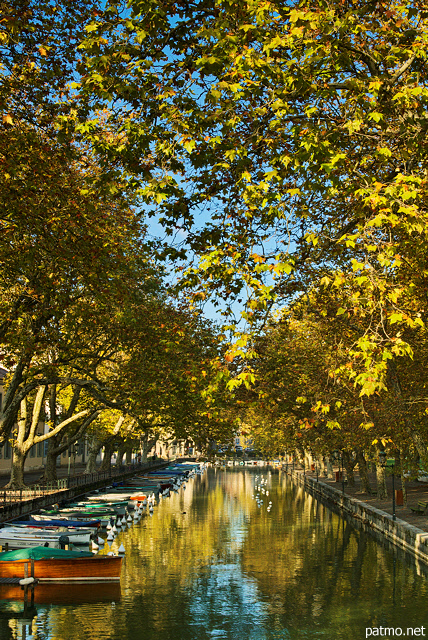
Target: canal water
column 213, row 562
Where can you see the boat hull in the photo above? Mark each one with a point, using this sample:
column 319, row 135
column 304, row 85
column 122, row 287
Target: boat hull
column 75, row 536
column 14, row 542
column 65, row 570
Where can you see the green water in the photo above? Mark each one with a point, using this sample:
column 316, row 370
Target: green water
column 211, row 563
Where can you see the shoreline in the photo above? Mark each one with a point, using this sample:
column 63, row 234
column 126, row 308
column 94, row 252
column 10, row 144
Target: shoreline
column 378, row 523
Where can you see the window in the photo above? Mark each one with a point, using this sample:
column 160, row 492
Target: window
column 32, row 452
column 40, row 449
column 7, row 450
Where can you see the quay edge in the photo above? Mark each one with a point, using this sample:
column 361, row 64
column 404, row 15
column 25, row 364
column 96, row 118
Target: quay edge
column 400, row 534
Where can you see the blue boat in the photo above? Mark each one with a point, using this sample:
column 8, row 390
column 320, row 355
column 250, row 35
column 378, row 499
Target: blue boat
column 35, row 522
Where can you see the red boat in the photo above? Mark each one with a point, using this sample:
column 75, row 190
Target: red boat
column 59, row 565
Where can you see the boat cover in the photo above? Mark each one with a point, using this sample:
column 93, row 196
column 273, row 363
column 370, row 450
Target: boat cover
column 42, row 553
column 60, row 523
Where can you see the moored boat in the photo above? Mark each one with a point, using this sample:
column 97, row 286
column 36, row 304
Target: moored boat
column 75, row 536
column 114, row 498
column 119, row 508
column 60, row 522
column 23, row 537
column 79, row 517
column 58, row 565
column 81, row 512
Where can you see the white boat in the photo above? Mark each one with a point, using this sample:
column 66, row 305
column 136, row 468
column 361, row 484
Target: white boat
column 116, row 497
column 10, row 534
column 104, row 520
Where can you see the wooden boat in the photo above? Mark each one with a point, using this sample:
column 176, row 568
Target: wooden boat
column 58, row 565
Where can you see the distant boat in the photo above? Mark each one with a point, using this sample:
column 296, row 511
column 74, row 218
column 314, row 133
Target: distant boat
column 100, row 506
column 58, row 565
column 76, row 513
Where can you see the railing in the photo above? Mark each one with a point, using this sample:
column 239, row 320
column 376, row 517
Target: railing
column 111, row 474
column 8, row 496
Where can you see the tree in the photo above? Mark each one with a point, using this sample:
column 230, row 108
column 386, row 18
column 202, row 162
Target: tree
column 301, row 125
column 170, row 374
column 28, row 433
column 81, row 250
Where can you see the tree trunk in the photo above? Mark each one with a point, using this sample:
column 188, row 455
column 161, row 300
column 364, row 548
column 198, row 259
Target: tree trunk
column 144, row 447
column 364, row 475
column 120, row 454
column 17, row 474
column 349, row 465
column 129, row 456
column 49, row 474
column 381, row 481
column 329, row 464
column 93, row 450
column 403, row 478
column 108, row 452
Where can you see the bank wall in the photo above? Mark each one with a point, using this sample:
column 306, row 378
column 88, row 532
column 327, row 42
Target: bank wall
column 379, row 523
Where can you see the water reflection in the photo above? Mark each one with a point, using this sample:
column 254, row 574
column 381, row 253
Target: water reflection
column 212, row 562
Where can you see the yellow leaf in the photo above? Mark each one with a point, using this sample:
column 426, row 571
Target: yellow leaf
column 42, row 51
column 7, row 119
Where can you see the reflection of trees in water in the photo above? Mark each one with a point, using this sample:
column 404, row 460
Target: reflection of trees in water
column 322, row 569
column 210, row 559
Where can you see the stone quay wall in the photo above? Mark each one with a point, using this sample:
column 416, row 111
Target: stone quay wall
column 374, row 521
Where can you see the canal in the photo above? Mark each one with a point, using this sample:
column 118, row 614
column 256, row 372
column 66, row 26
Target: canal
column 214, row 562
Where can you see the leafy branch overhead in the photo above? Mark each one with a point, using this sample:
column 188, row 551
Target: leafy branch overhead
column 280, row 148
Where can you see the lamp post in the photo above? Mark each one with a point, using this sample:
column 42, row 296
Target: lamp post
column 343, row 478
column 393, row 491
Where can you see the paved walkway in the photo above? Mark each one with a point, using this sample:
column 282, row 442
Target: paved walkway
column 416, row 491
column 32, row 477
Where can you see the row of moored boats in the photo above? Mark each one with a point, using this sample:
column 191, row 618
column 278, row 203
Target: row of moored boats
column 49, row 545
